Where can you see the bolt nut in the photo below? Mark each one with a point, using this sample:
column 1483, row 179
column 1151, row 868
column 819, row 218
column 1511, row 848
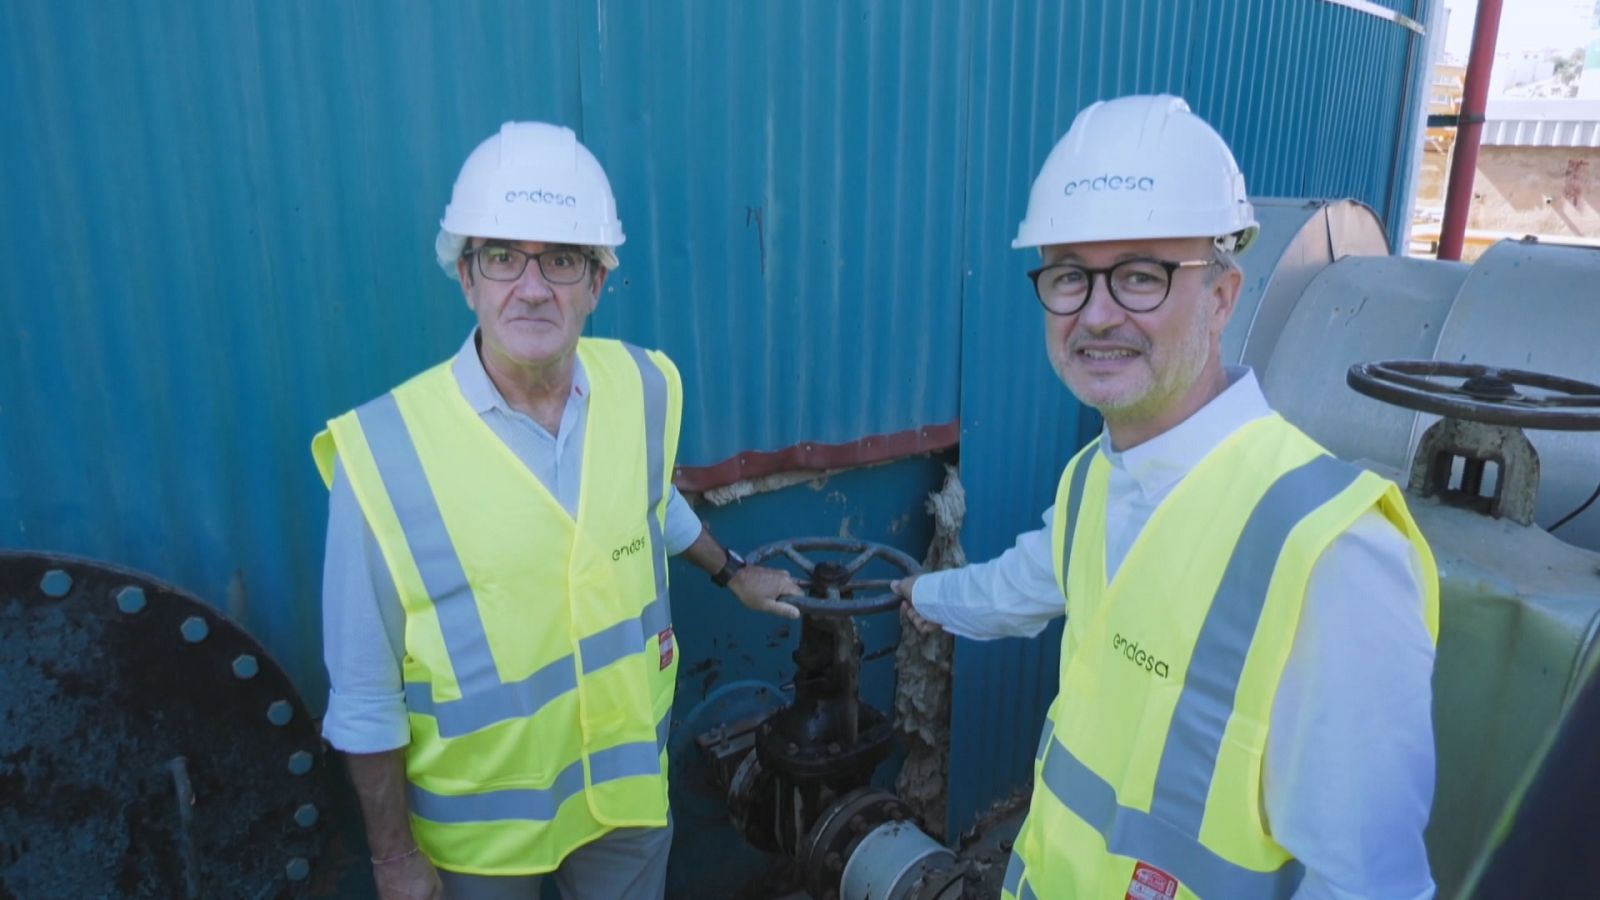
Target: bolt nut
column 858, row 823
column 792, row 747
column 307, row 815
column 299, row 762
column 195, row 629
column 833, row 861
column 298, row 869
column 280, row 712
column 245, row 666
column 130, row 599
column 833, row 747
column 55, row 583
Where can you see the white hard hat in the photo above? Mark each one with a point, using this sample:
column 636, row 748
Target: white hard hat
column 1136, row 168
column 534, row 182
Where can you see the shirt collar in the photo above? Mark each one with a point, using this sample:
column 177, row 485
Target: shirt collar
column 478, row 388
column 1158, row 464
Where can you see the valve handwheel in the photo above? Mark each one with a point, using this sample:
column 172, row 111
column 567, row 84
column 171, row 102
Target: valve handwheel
column 1486, row 394
column 869, row 595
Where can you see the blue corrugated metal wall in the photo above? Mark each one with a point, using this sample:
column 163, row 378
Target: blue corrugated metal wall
column 220, row 217
column 1310, row 96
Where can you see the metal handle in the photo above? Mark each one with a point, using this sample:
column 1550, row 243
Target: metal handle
column 1486, row 394
column 839, row 600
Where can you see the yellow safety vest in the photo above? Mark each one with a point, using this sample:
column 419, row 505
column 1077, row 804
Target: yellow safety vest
column 540, row 661
column 1147, row 780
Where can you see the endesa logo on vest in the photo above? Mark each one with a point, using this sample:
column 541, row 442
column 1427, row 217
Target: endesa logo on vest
column 1150, row 883
column 628, row 549
column 1131, row 651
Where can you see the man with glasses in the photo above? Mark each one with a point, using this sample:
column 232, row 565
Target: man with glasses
column 498, row 632
column 1244, row 704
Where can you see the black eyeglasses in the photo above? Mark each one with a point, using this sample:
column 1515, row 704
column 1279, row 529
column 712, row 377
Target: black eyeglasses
column 498, row 262
column 1137, row 285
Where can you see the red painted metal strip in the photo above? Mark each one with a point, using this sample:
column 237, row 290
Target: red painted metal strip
column 866, row 451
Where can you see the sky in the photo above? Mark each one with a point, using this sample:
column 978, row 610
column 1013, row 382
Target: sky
column 1524, row 25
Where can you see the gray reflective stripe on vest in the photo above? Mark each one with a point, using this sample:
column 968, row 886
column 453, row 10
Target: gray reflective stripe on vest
column 1168, row 835
column 519, row 699
column 516, row 700
column 443, row 576
column 1194, row 739
column 485, row 699
column 1141, row 835
column 541, row 804
column 655, row 429
column 1014, row 870
column 1027, row 893
column 1044, row 738
column 1080, row 472
column 625, row 638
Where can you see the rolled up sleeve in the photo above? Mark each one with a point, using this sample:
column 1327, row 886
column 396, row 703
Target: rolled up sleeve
column 363, row 630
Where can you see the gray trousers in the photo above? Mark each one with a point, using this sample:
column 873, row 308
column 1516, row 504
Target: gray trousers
column 625, row 864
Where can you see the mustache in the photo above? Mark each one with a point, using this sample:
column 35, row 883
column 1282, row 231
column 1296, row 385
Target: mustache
column 1133, row 342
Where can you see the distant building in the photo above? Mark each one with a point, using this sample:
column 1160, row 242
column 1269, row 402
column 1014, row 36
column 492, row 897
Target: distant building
column 1538, row 168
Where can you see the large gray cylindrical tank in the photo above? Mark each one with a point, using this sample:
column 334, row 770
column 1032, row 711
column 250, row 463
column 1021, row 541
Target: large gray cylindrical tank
column 1298, row 239
column 1537, row 307
column 1523, row 305
column 1357, row 310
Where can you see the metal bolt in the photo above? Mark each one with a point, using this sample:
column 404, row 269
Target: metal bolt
column 55, row 583
column 299, row 762
column 833, row 860
column 280, row 712
column 130, row 599
column 858, row 823
column 792, row 747
column 195, row 629
column 245, row 666
column 297, row 869
column 307, row 815
column 833, row 747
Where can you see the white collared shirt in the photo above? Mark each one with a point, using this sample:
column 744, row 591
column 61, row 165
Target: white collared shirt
column 363, row 626
column 1349, row 770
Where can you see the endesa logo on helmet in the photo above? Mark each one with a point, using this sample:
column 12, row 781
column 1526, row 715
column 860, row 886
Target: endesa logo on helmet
column 1111, row 183
column 544, row 198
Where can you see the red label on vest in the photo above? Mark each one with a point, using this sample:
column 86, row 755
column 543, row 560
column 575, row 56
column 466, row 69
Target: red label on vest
column 667, row 646
column 1150, row 883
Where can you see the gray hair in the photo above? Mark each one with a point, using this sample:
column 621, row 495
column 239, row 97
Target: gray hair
column 1223, row 262
column 448, row 247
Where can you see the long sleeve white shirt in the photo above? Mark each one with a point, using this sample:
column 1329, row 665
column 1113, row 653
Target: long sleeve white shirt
column 1349, row 769
column 363, row 626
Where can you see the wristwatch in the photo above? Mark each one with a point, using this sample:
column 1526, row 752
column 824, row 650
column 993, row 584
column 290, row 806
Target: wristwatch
column 729, row 569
